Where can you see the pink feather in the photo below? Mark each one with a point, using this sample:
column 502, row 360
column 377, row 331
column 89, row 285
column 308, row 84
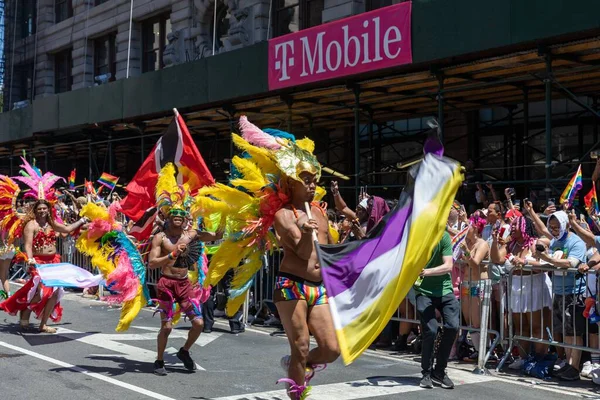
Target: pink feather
column 98, row 228
column 257, row 137
column 123, row 280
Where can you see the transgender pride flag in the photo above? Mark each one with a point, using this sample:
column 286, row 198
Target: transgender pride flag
column 367, row 280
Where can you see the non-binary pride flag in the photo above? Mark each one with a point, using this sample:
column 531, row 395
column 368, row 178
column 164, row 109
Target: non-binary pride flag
column 367, row 280
column 108, row 180
column 72, row 179
column 574, row 186
column 591, row 201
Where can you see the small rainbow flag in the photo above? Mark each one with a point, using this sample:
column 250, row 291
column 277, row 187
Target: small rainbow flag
column 72, row 179
column 574, row 186
column 457, row 240
column 591, row 201
column 108, row 180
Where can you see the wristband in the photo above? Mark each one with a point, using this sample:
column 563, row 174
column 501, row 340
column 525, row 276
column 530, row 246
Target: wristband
column 172, row 255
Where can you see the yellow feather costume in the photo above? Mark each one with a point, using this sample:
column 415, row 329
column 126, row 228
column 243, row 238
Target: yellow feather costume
column 248, row 205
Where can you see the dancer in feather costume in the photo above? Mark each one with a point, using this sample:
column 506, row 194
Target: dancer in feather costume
column 117, row 259
column 39, row 229
column 179, row 252
column 274, row 183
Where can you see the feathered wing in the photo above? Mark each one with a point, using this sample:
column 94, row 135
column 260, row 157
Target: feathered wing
column 39, row 185
column 117, row 259
column 11, row 222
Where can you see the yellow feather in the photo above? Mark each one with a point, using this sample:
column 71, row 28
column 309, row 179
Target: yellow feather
column 94, row 212
column 228, row 256
column 249, row 170
column 233, row 305
column 205, row 205
column 262, row 157
column 130, row 310
column 176, row 315
column 306, row 144
column 247, row 269
column 236, row 199
column 252, row 186
column 319, row 193
column 167, row 183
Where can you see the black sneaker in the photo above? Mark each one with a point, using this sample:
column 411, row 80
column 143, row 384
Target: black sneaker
column 569, row 373
column 184, row 356
column 426, row 381
column 159, row 368
column 442, row 380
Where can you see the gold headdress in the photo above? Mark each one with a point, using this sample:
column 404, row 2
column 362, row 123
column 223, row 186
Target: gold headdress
column 172, row 198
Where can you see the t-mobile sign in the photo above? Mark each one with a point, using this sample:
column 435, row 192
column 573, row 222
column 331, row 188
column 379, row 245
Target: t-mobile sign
column 365, row 42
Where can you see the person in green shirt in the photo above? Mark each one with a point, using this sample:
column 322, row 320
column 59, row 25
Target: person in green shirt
column 434, row 291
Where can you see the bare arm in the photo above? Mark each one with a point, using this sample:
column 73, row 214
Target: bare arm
column 28, row 236
column 206, row 236
column 297, row 240
column 481, row 251
column 67, row 229
column 586, row 235
column 539, row 225
column 497, row 251
column 445, row 268
column 340, row 204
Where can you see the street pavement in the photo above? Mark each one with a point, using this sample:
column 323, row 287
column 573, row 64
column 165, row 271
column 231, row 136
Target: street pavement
column 88, row 359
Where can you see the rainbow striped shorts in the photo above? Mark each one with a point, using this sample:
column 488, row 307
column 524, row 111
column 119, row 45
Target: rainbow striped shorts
column 292, row 287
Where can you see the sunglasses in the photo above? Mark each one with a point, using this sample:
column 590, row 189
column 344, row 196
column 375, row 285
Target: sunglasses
column 178, row 213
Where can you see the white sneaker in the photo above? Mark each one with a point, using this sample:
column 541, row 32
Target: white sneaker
column 560, row 365
column 285, row 363
column 587, row 369
column 517, row 364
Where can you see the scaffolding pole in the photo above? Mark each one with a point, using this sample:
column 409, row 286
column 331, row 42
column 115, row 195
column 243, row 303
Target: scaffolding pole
column 548, row 101
column 356, row 90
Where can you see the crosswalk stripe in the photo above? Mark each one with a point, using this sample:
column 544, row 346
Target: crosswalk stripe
column 372, row 387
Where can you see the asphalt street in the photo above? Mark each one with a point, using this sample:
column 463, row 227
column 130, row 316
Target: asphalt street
column 88, row 359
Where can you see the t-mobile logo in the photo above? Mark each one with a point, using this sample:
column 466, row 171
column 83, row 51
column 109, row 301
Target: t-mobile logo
column 285, row 59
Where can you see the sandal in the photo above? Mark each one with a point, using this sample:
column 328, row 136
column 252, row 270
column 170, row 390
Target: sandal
column 301, row 392
column 47, row 329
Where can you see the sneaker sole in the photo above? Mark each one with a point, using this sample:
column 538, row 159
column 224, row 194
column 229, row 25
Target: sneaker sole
column 193, row 368
column 160, row 373
column 426, row 386
column 439, row 383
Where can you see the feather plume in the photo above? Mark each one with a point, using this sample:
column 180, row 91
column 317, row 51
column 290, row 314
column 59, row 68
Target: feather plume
column 260, row 156
column 229, row 256
column 306, row 144
column 245, row 272
column 319, row 193
column 256, row 136
column 249, row 170
column 130, row 310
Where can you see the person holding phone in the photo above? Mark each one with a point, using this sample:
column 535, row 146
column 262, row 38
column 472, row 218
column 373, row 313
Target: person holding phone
column 566, row 251
column 531, row 291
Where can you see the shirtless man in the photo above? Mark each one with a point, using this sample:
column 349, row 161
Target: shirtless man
column 174, row 285
column 40, row 247
column 299, row 291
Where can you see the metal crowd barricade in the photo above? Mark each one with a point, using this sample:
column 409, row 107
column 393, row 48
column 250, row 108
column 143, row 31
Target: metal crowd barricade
column 485, row 328
column 548, row 335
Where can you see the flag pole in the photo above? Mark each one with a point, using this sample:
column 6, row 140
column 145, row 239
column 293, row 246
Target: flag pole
column 314, row 235
column 111, row 190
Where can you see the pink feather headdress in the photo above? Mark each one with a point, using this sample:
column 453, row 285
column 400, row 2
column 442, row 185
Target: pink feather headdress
column 40, row 185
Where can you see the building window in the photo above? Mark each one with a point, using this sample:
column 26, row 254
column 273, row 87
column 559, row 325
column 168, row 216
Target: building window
column 62, row 71
column 23, row 83
column 98, row 2
column 371, row 5
column 27, row 18
column 105, row 58
column 154, row 40
column 294, row 15
column 63, row 9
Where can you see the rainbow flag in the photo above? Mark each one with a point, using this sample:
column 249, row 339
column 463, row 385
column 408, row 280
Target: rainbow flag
column 72, row 179
column 574, row 186
column 457, row 240
column 366, row 280
column 108, row 180
column 591, row 201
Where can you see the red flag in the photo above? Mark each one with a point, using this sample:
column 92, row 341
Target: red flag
column 175, row 146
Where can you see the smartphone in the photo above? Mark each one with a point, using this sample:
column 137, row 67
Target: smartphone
column 594, row 155
column 517, row 203
column 551, row 202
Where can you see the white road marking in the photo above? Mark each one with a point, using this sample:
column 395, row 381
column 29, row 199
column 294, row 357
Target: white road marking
column 365, row 388
column 113, row 342
column 95, row 375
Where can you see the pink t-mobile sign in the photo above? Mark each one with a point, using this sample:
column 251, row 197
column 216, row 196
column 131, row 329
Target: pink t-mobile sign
column 365, row 42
